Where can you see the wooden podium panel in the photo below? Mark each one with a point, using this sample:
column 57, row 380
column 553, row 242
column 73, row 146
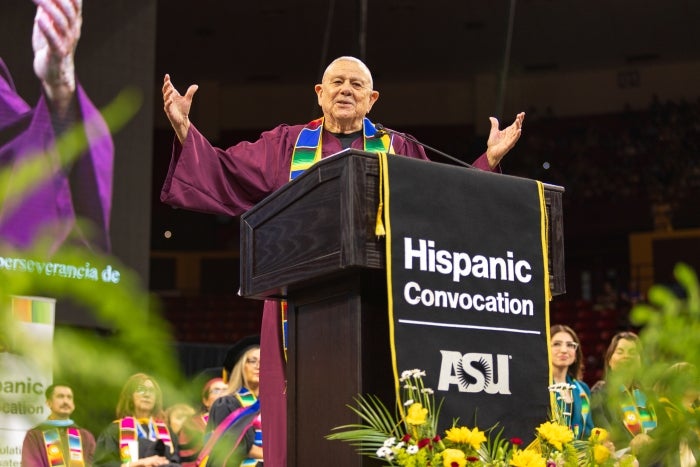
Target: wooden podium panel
column 321, row 223
column 338, row 348
column 313, row 243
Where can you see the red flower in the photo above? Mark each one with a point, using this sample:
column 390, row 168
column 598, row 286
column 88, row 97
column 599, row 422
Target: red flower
column 516, row 441
column 436, row 439
column 406, row 438
column 423, row 443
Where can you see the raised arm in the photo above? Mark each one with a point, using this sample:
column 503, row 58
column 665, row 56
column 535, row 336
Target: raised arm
column 502, row 141
column 54, row 38
column 177, row 107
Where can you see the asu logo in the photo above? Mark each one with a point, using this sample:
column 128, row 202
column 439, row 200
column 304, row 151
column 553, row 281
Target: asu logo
column 475, row 372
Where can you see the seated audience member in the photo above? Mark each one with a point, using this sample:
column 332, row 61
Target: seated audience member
column 574, row 396
column 619, row 404
column 58, row 440
column 191, row 438
column 140, row 436
column 237, row 412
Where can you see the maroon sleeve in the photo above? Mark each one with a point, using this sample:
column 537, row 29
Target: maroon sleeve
column 229, row 181
column 33, row 450
column 88, row 441
column 482, row 163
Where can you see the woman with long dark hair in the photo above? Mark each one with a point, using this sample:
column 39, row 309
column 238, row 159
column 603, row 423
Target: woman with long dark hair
column 140, row 436
column 619, row 403
column 572, row 394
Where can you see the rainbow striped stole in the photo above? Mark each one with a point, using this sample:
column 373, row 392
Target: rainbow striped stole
column 54, row 453
column 128, row 431
column 285, row 327
column 585, row 409
column 307, row 150
column 248, row 399
column 238, row 421
column 637, row 416
column 245, row 397
column 585, row 405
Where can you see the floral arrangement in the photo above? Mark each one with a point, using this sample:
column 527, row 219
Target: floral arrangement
column 410, row 437
column 597, row 452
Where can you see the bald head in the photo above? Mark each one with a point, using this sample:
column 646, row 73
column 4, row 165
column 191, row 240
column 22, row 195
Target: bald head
column 348, row 58
column 345, row 95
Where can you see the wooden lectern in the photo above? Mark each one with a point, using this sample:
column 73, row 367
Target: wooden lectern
column 312, row 243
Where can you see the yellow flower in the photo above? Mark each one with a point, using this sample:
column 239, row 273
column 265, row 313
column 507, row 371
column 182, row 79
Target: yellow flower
column 555, row 434
column 527, row 458
column 453, row 458
column 598, row 435
column 601, row 453
column 416, row 414
column 464, row 435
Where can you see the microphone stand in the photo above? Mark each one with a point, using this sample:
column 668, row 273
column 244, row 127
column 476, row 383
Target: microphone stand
column 381, row 130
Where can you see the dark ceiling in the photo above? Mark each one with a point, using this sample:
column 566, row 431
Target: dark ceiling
column 286, row 41
column 280, row 42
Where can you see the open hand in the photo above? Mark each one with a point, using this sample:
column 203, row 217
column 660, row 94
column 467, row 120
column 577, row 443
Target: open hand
column 177, row 107
column 54, row 38
column 502, row 141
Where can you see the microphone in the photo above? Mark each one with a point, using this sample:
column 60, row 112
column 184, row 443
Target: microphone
column 382, row 130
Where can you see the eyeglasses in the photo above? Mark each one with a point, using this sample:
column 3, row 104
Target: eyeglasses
column 216, row 390
column 569, row 345
column 252, row 361
column 143, row 390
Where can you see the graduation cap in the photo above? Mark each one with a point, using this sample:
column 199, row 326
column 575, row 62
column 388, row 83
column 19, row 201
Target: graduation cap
column 236, row 352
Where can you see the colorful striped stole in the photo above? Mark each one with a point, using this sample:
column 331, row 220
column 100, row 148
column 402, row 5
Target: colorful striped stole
column 585, row 409
column 54, row 453
column 637, row 416
column 238, row 421
column 129, row 430
column 247, row 399
column 308, row 151
column 127, row 433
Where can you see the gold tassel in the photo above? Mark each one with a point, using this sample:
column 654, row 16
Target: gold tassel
column 379, row 230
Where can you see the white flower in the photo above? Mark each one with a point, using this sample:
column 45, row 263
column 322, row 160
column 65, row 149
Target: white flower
column 412, row 449
column 400, row 445
column 384, row 452
column 408, row 402
column 427, row 391
column 389, row 442
column 405, row 375
column 560, row 386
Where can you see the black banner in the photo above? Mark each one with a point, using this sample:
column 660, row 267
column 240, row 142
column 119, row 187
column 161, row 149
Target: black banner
column 468, row 291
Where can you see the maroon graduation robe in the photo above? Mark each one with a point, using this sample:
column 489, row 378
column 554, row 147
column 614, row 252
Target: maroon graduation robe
column 53, row 205
column 34, row 446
